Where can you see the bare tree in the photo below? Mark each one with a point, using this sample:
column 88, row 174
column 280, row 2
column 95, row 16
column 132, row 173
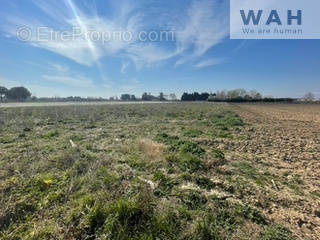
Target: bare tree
column 173, row 97
column 255, row 94
column 221, row 95
column 252, row 93
column 309, row 97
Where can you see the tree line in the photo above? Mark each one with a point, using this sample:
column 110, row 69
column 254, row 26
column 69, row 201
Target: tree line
column 232, row 95
column 149, row 97
column 21, row 94
column 238, row 95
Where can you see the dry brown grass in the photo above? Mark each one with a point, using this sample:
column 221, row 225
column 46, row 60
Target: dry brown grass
column 151, row 149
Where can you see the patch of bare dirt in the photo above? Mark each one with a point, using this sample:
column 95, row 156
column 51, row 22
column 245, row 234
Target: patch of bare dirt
column 285, row 141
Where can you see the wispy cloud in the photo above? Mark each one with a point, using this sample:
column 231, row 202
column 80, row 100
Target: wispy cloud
column 9, row 82
column 148, row 54
column 62, row 91
column 133, row 84
column 78, row 82
column 208, row 63
column 63, row 75
column 206, row 25
column 59, row 68
column 81, row 86
column 201, row 26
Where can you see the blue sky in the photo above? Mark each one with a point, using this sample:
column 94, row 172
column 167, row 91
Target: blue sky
column 201, row 57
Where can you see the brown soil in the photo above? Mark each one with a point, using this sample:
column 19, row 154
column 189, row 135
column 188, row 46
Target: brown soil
column 285, row 141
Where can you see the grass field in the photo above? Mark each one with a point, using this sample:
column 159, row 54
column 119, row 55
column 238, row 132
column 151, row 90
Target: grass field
column 160, row 171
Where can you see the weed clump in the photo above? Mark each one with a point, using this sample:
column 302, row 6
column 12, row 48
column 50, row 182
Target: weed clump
column 204, row 182
column 193, row 133
column 226, row 120
column 218, row 154
column 217, row 224
column 191, row 163
column 187, row 155
column 165, row 184
column 250, row 172
column 177, row 145
column 276, row 232
column 166, row 139
column 250, row 213
column 52, row 134
column 18, row 213
column 193, row 200
column 191, row 148
column 130, row 218
column 126, row 218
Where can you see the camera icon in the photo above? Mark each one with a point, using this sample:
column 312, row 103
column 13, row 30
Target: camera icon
column 24, row 34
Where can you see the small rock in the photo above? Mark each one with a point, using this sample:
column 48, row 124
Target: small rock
column 73, row 144
column 317, row 213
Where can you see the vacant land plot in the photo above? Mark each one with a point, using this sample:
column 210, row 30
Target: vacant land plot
column 160, row 171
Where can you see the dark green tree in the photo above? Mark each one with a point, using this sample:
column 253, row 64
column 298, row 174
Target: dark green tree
column 145, row 97
column 161, row 97
column 195, row 96
column 125, row 97
column 3, row 92
column 18, row 94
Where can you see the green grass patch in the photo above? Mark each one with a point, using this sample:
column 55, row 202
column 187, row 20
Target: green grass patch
column 276, row 232
column 248, row 171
